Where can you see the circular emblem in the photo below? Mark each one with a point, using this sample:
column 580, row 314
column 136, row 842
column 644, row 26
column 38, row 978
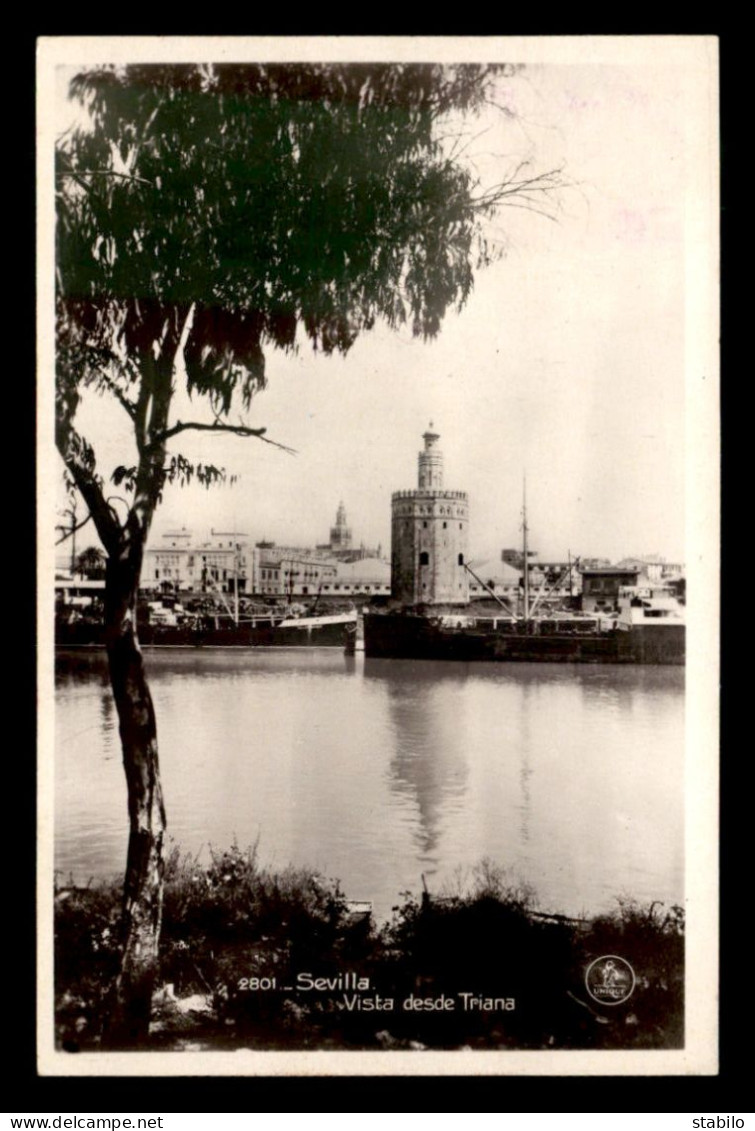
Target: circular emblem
column 610, row 980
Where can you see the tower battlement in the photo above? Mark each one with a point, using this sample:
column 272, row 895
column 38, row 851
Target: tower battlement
column 422, row 493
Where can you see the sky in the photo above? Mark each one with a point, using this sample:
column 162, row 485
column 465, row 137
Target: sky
column 570, row 364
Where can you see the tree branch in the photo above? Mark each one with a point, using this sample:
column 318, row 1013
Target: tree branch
column 157, row 376
column 100, row 173
column 542, row 183
column 235, row 429
column 140, row 413
column 122, row 399
column 71, row 530
column 134, row 153
column 105, row 518
column 75, row 177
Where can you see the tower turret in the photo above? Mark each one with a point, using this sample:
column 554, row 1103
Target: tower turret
column 430, row 461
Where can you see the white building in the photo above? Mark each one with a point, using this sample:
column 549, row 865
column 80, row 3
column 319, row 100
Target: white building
column 228, row 562
column 493, row 577
column 653, row 568
column 178, row 563
column 368, row 577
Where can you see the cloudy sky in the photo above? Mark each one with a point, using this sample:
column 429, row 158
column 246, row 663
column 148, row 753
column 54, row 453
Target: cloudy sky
column 572, row 362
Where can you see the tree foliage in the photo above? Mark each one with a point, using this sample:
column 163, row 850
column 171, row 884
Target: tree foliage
column 91, row 562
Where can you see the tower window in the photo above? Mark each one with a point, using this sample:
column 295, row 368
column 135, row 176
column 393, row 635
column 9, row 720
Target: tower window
column 445, row 524
column 424, row 558
column 424, row 524
column 461, row 559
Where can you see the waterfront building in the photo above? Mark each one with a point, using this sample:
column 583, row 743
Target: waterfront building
column 557, row 579
column 600, row 586
column 365, row 577
column 429, row 528
column 223, row 563
column 492, row 577
column 653, row 568
column 170, row 565
column 228, row 562
column 290, row 571
column 179, row 564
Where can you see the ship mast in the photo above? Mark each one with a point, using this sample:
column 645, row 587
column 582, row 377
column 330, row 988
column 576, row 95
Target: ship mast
column 524, row 548
column 236, row 585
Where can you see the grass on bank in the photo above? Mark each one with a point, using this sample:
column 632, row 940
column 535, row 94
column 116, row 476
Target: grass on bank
column 232, row 925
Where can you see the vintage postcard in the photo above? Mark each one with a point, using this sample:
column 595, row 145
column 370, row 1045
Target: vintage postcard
column 378, row 532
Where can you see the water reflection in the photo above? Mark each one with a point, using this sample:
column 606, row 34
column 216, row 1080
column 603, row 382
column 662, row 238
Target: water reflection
column 81, row 668
column 107, row 714
column 377, row 771
column 429, row 762
column 525, row 773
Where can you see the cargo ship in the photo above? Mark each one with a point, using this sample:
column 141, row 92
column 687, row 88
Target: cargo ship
column 647, row 628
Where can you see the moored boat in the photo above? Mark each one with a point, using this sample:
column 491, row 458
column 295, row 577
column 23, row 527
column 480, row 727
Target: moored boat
column 273, row 630
column 647, row 628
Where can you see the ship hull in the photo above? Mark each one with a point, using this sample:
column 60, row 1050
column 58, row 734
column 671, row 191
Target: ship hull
column 407, row 636
column 304, row 632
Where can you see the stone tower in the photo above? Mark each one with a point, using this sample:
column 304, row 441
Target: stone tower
column 429, row 536
column 340, row 534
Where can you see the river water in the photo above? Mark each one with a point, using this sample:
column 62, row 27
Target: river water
column 379, row 771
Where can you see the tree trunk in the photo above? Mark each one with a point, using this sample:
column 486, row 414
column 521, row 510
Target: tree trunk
column 127, row 1024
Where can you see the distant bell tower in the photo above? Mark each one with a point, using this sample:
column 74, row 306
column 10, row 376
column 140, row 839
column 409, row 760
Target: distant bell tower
column 429, row 536
column 340, row 534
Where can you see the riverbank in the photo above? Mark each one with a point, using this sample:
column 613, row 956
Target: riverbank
column 252, row 957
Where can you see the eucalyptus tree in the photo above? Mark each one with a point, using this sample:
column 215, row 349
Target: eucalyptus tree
column 205, row 216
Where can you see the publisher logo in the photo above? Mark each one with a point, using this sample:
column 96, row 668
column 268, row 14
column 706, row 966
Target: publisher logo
column 610, row 980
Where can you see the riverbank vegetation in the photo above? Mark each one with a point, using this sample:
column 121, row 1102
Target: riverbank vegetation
column 252, row 957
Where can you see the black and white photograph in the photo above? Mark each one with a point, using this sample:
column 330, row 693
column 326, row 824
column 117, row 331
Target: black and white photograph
column 378, row 537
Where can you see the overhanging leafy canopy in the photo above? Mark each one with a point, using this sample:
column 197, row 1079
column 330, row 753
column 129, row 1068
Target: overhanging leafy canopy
column 270, row 197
